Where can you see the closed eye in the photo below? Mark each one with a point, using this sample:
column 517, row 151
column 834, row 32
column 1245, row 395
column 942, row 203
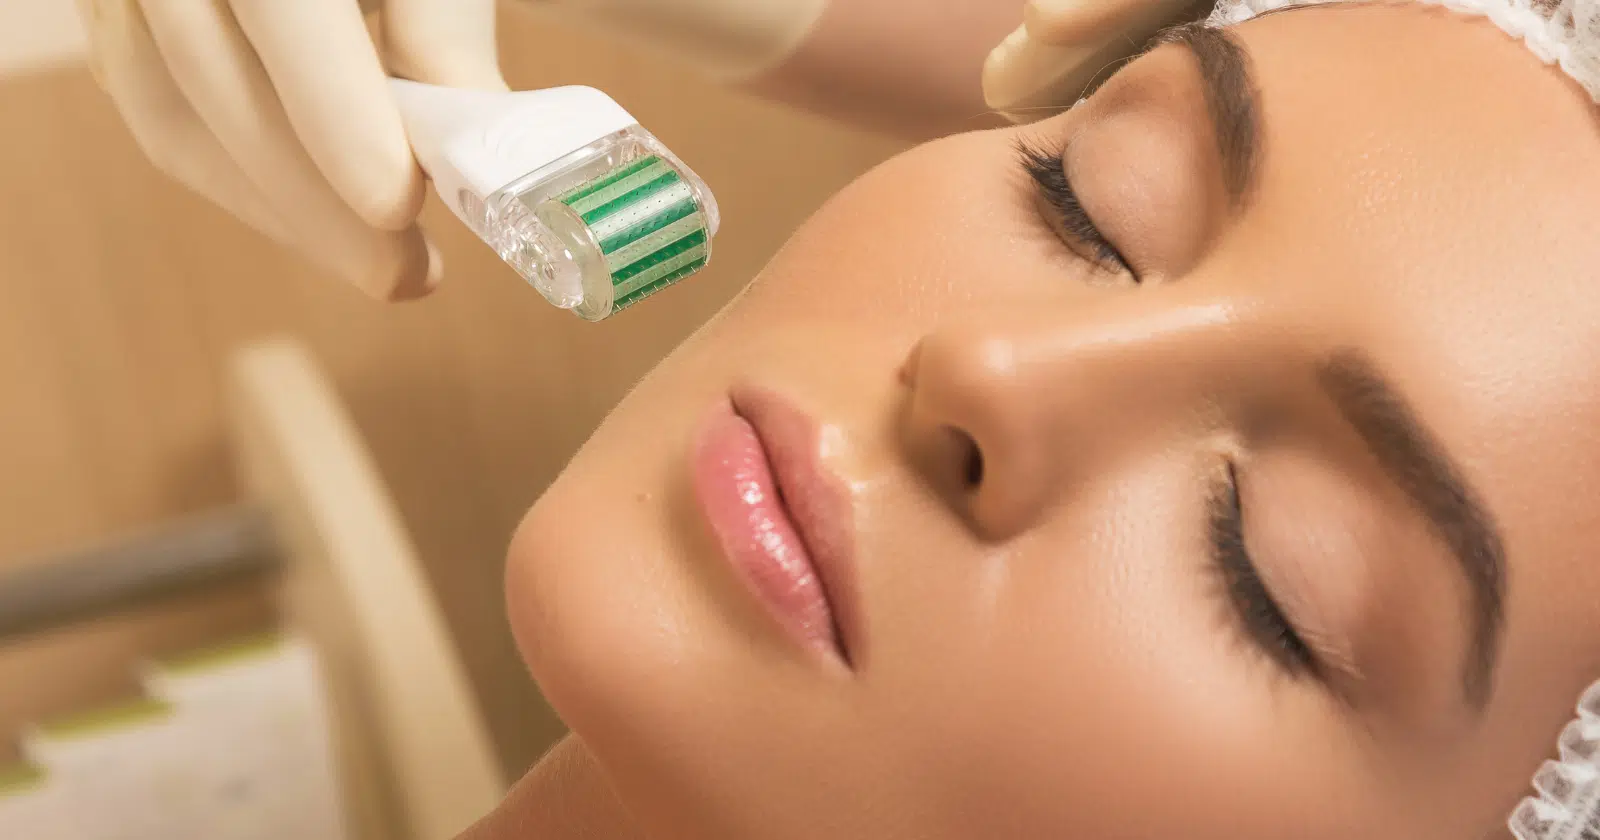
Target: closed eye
column 1049, row 177
column 1260, row 617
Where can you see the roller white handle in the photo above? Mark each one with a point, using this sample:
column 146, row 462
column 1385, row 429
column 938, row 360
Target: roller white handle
column 480, row 141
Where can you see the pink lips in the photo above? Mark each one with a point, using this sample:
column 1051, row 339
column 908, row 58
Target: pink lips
column 781, row 519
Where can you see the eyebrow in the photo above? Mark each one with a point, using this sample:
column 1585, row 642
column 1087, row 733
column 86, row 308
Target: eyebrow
column 1232, row 99
column 1413, row 458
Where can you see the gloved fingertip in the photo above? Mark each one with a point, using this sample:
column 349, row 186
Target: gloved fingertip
column 390, row 267
column 435, row 263
column 1006, row 81
column 393, row 203
column 1025, row 79
column 419, row 280
column 995, row 67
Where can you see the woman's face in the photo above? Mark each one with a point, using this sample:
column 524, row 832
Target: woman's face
column 1233, row 474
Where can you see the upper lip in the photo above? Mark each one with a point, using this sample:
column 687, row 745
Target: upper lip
column 816, row 499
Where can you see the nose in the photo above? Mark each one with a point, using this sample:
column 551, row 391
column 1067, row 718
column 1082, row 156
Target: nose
column 1005, row 413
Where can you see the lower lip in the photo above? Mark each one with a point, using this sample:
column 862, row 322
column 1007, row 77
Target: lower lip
column 739, row 496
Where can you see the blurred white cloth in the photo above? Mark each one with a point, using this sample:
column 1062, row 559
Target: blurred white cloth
column 236, row 749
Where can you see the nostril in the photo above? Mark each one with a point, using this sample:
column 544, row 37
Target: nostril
column 972, row 460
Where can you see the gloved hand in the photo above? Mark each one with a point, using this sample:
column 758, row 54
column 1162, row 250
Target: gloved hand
column 1066, row 46
column 280, row 112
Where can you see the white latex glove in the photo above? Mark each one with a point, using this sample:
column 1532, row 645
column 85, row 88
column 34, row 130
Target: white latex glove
column 280, row 112
column 1065, row 46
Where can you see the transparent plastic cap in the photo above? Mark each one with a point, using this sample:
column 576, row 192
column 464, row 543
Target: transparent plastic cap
column 1568, row 804
column 603, row 227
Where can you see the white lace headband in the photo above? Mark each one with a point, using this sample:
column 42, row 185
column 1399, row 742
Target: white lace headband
column 1567, row 806
column 1561, row 32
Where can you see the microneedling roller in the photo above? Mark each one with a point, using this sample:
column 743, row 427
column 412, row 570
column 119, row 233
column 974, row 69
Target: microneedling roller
column 591, row 209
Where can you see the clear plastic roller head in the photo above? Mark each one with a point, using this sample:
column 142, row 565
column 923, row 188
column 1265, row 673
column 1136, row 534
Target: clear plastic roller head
column 1568, row 804
column 603, row 227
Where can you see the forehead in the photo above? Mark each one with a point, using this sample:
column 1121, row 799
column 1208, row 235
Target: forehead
column 1425, row 170
column 1433, row 162
column 1429, row 145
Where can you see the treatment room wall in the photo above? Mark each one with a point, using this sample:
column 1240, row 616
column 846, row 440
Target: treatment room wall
column 121, row 294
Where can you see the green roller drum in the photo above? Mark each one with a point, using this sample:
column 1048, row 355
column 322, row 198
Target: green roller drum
column 648, row 224
column 604, row 227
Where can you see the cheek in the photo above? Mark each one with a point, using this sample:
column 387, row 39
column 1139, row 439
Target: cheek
column 944, row 228
column 1087, row 680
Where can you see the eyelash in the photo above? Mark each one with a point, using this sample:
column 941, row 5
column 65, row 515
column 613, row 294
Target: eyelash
column 1260, row 617
column 1049, row 176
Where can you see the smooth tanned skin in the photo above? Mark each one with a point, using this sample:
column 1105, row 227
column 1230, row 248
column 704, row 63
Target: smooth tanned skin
column 1051, row 653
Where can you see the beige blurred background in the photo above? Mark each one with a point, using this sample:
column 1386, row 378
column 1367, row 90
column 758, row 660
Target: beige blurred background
column 120, row 296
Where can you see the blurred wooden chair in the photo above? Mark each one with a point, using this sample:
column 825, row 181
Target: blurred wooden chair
column 415, row 758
